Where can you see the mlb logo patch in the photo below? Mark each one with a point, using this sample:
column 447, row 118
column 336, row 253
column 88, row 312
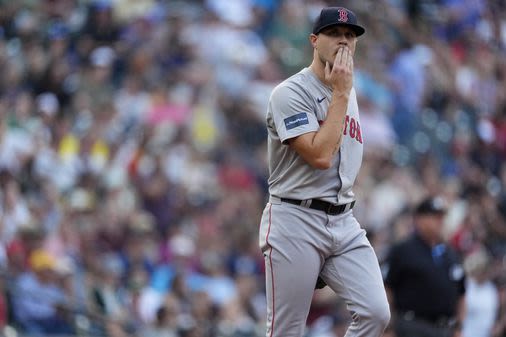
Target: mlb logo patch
column 296, row 120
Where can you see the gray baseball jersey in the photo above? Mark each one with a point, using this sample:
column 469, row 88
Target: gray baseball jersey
column 297, row 106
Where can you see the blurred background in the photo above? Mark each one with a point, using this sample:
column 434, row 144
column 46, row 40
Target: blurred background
column 133, row 154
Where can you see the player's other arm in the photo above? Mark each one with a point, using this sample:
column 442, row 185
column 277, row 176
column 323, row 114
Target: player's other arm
column 319, row 148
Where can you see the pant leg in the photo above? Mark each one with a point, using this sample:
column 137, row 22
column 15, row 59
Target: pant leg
column 354, row 274
column 288, row 238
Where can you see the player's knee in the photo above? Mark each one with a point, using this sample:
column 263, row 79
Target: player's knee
column 379, row 314
column 376, row 315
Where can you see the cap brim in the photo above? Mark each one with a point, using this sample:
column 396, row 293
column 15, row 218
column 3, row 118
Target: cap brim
column 359, row 30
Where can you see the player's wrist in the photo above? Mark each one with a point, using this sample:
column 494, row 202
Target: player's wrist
column 340, row 95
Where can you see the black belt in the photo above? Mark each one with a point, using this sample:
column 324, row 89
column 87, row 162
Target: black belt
column 321, row 205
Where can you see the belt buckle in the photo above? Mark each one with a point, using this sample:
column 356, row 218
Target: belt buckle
column 330, row 207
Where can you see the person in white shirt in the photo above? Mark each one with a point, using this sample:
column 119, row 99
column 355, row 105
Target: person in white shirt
column 482, row 297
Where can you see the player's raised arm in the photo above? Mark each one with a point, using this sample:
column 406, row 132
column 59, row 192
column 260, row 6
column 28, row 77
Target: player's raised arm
column 333, row 65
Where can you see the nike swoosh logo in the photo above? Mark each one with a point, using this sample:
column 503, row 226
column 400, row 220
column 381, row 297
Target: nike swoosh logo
column 321, row 99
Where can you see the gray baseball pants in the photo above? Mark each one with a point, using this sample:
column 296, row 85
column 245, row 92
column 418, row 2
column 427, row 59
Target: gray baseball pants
column 299, row 244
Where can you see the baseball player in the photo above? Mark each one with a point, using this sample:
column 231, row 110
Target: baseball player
column 315, row 152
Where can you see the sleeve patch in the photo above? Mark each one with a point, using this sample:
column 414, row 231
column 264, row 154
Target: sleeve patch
column 296, row 120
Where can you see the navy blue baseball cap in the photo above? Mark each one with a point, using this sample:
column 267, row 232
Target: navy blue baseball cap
column 331, row 16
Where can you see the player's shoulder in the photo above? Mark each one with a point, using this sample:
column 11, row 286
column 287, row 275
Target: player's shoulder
column 304, row 78
column 295, row 84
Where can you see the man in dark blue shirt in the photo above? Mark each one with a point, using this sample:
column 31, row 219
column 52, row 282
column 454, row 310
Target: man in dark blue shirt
column 424, row 277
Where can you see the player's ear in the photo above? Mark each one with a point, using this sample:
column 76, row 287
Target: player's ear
column 313, row 38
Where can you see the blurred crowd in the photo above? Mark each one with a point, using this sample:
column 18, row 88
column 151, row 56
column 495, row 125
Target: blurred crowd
column 133, row 155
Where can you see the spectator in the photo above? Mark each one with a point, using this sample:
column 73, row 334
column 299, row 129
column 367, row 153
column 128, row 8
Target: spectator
column 482, row 297
column 39, row 303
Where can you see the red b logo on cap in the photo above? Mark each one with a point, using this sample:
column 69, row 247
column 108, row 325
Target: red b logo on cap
column 343, row 15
